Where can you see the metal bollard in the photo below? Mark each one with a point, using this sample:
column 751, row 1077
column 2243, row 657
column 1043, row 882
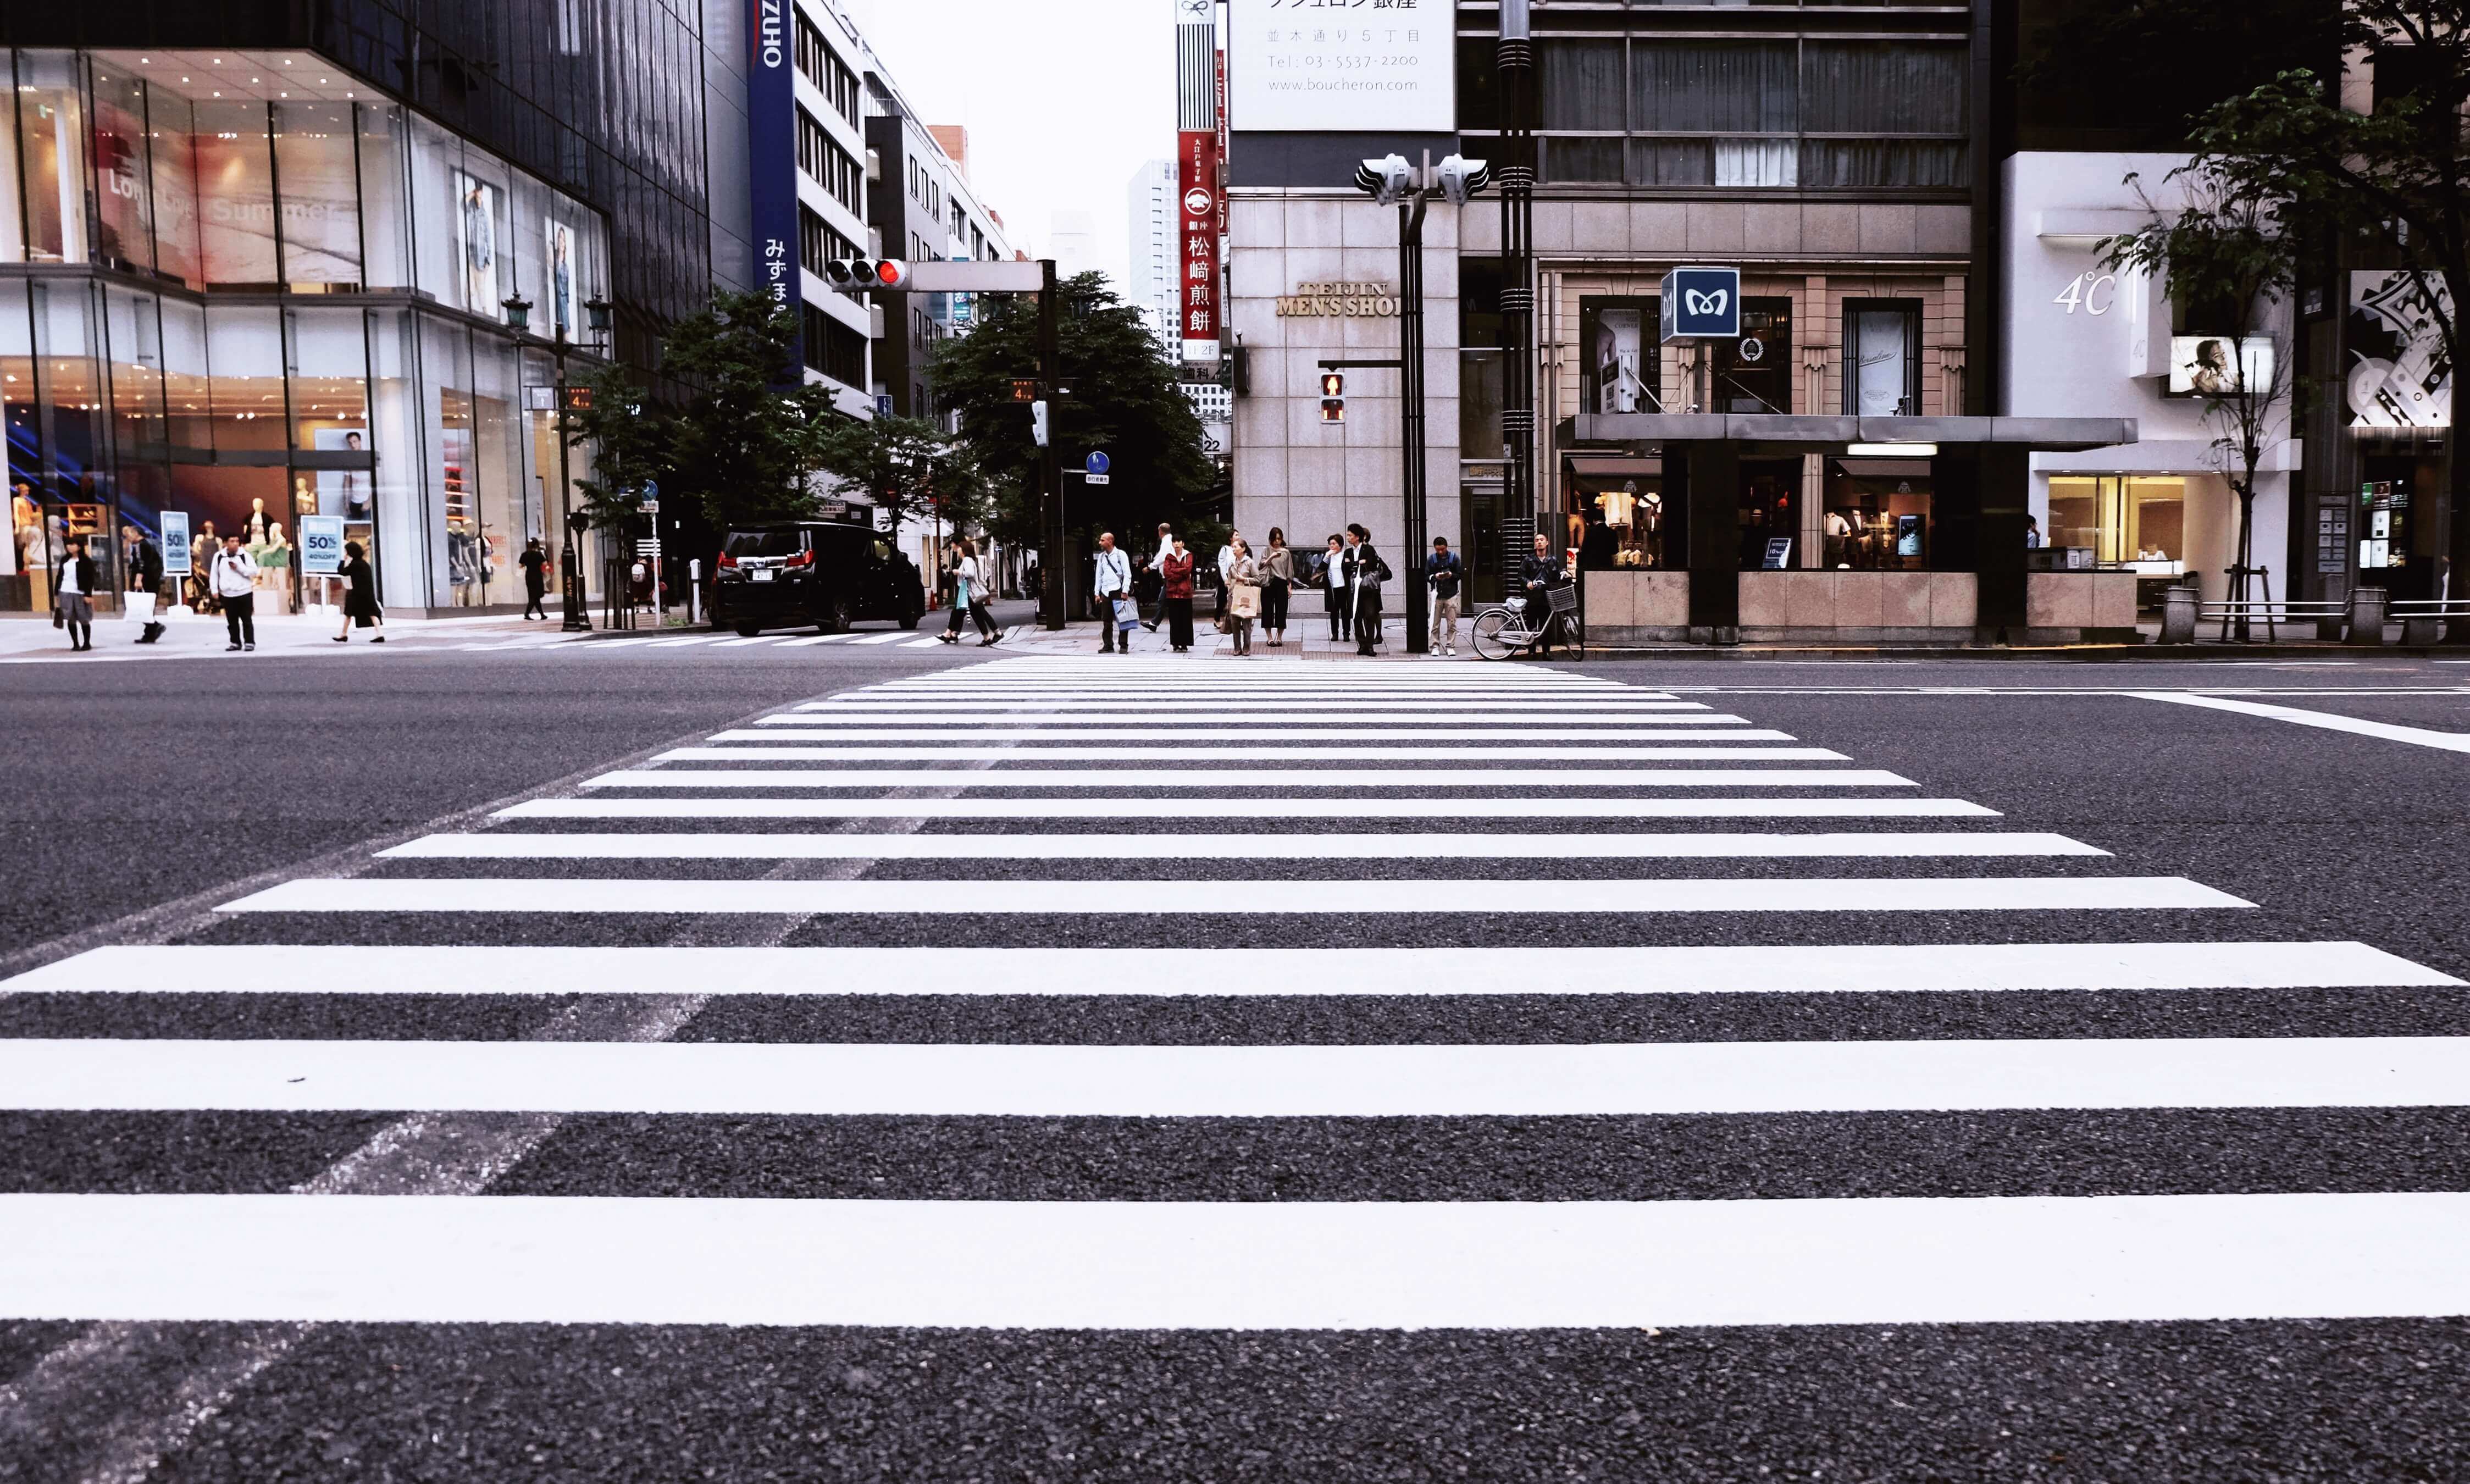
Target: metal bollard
column 694, row 590
column 2367, row 617
column 2179, row 609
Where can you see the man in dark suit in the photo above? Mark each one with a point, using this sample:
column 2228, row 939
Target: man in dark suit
column 144, row 564
column 1366, row 572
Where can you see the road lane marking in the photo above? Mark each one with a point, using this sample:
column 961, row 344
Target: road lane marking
column 1242, row 732
column 2387, row 731
column 894, row 636
column 1276, row 973
column 818, row 638
column 1248, row 779
column 603, row 807
column 864, row 704
column 741, row 643
column 1234, row 1265
column 737, row 845
column 1645, row 898
column 1211, row 752
column 820, row 724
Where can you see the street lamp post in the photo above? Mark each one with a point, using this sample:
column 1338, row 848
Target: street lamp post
column 1515, row 57
column 519, row 317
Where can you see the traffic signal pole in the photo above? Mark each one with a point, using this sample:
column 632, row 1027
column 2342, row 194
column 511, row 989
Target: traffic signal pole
column 1410, row 392
column 1050, row 466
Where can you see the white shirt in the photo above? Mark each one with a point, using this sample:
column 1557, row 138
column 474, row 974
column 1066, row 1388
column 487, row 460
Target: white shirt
column 1114, row 574
column 69, row 576
column 235, row 574
column 1337, row 568
column 1225, row 561
column 1166, row 549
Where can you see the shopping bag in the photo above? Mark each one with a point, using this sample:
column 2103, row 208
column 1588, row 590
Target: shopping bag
column 141, row 606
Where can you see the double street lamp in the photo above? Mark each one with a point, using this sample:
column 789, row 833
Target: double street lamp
column 1391, row 181
column 519, row 318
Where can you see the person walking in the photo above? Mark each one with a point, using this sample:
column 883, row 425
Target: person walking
column 1277, row 583
column 1225, row 574
column 1331, row 576
column 535, row 564
column 968, row 590
column 1544, row 571
column 1157, row 563
column 1176, row 570
column 1366, row 572
column 145, row 566
column 1442, row 573
column 1242, row 595
column 1111, row 579
column 233, row 580
column 360, row 595
column 73, row 587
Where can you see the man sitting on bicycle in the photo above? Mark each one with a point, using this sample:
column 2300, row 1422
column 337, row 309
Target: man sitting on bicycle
column 1544, row 570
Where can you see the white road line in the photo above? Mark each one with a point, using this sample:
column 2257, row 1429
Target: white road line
column 1244, row 732
column 1643, row 898
column 952, row 1080
column 924, row 643
column 1234, row 1265
column 894, row 637
column 821, row 723
column 741, row 643
column 2387, row 731
column 679, row 643
column 603, row 807
column 1206, row 753
column 818, row 638
column 863, row 704
column 1252, row 778
column 1856, row 969
column 616, row 643
column 773, row 845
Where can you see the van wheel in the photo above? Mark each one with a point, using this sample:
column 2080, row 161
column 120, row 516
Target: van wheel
column 748, row 631
column 837, row 617
column 909, row 617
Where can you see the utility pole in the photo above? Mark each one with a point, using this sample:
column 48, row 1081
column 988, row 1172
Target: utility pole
column 1049, row 469
column 1411, row 390
column 1516, row 58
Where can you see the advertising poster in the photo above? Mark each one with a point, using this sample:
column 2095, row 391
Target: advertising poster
column 321, row 546
column 175, row 543
column 2202, row 365
column 342, row 492
column 2399, row 376
column 772, row 162
column 1197, row 185
column 475, row 244
column 1331, row 68
column 1616, row 357
column 558, row 277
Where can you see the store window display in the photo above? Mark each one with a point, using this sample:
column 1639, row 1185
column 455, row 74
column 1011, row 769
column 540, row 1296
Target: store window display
column 1770, row 513
column 1876, row 515
column 1621, row 370
column 1617, row 520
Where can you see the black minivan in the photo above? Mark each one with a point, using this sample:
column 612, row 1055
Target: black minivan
column 829, row 573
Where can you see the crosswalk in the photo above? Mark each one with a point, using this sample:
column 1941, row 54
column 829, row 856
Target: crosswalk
column 1127, row 892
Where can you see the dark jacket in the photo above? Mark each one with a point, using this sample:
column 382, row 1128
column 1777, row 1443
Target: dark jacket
column 535, row 565
column 87, row 574
column 1177, row 572
column 1366, row 572
column 363, row 597
column 145, row 566
column 1436, row 567
column 1544, row 571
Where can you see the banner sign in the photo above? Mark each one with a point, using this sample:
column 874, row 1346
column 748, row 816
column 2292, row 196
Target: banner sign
column 1332, row 66
column 772, row 162
column 1702, row 304
column 175, row 543
column 321, row 546
column 1197, row 210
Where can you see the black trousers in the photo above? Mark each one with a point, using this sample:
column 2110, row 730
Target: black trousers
column 239, row 618
column 1341, row 623
column 1178, row 618
column 533, row 592
column 1273, row 606
column 1367, row 623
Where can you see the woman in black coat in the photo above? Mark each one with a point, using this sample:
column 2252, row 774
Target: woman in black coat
column 361, row 598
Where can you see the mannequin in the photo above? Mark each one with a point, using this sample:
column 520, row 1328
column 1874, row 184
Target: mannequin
column 254, row 532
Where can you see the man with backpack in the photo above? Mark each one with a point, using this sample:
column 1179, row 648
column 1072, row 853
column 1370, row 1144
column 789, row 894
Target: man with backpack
column 1442, row 571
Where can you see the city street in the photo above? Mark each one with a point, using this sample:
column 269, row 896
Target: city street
column 889, row 1062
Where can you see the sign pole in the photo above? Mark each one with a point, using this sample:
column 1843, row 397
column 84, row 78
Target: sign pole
column 1050, row 470
column 1411, row 393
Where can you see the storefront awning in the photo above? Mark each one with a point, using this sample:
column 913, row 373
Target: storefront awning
column 1831, row 435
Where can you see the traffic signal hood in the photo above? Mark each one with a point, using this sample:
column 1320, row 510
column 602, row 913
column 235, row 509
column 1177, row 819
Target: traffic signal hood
column 858, row 275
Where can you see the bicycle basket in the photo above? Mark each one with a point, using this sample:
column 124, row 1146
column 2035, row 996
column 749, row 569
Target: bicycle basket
column 1564, row 599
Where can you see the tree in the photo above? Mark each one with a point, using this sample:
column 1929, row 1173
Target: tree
column 736, row 449
column 629, row 439
column 1116, row 395
column 2390, row 182
column 2229, row 253
column 906, row 465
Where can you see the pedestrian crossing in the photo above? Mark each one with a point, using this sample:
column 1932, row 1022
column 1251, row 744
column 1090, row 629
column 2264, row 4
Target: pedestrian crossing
column 1081, row 897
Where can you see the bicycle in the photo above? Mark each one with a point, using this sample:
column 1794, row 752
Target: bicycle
column 1502, row 630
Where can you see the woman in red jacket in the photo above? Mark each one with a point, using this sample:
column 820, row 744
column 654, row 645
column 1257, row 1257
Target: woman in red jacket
column 1176, row 570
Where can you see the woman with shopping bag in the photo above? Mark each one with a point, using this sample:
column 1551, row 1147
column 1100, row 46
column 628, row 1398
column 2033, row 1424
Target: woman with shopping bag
column 1242, row 595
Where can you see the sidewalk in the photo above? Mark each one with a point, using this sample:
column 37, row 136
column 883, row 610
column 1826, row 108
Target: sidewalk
column 1304, row 642
column 198, row 634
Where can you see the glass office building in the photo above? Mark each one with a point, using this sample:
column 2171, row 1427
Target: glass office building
column 248, row 286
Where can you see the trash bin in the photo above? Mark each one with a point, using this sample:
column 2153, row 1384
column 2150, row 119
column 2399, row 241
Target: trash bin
column 2367, row 617
column 2179, row 610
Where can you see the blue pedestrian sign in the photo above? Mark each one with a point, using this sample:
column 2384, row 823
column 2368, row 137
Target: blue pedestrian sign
column 1095, row 463
column 1702, row 304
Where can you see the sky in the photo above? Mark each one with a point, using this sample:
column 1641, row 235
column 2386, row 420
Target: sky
column 1062, row 100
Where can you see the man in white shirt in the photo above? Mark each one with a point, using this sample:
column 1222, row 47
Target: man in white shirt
column 1111, row 579
column 1158, row 563
column 1227, row 570
column 233, row 577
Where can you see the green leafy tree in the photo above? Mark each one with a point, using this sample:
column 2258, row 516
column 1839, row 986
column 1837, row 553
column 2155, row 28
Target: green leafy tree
column 628, row 438
column 904, row 465
column 2231, row 254
column 1116, row 394
column 736, row 449
column 2390, row 182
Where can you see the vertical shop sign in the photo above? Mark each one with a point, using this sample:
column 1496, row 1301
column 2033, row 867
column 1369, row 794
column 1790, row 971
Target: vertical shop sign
column 175, row 543
column 1197, row 180
column 772, row 162
column 321, row 545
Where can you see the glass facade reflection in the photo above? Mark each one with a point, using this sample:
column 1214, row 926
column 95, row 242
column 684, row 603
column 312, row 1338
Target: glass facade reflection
column 244, row 296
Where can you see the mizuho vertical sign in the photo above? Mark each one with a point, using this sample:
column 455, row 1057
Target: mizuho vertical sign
column 772, row 158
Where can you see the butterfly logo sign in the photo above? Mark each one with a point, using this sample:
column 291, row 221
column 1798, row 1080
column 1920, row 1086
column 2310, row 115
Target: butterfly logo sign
column 1702, row 304
column 1699, row 304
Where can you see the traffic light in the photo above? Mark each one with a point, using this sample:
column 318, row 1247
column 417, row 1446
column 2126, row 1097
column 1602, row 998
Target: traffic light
column 857, row 275
column 1332, row 397
column 1038, row 423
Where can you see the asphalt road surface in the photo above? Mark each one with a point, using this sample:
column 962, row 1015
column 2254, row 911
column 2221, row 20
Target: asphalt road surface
column 866, row 1063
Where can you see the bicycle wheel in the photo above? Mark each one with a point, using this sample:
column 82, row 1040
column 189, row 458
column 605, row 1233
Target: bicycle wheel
column 1496, row 636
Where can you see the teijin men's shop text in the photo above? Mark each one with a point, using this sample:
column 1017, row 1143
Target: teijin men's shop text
column 1350, row 299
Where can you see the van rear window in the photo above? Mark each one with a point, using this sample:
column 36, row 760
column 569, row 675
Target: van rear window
column 762, row 543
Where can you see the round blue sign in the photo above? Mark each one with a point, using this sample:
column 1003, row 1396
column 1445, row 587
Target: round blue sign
column 1095, row 463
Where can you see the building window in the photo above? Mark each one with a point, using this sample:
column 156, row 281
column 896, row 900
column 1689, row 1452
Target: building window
column 1882, row 358
column 833, row 348
column 819, row 243
column 823, row 159
column 1755, row 373
column 1623, row 369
